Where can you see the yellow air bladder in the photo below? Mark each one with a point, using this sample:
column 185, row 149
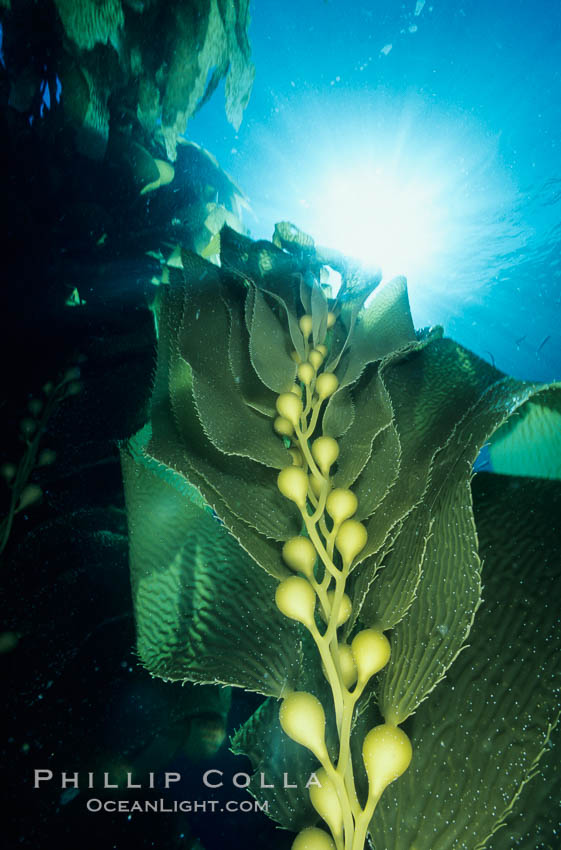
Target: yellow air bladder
column 296, row 456
column 351, row 540
column 293, row 484
column 325, row 801
column 296, row 598
column 303, row 719
column 313, row 838
column 345, row 608
column 387, row 754
column 316, row 485
column 341, row 505
column 305, row 325
column 316, row 358
column 325, row 452
column 299, row 554
column 306, row 373
column 347, row 666
column 283, row 427
column 326, row 385
column 371, row 652
column 289, row 406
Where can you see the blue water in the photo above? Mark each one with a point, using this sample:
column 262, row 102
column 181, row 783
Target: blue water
column 436, row 126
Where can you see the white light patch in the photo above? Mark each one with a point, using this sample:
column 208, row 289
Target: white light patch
column 381, row 220
column 396, row 183
column 334, row 281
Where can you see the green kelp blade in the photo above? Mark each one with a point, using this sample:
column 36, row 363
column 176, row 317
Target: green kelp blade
column 292, row 320
column 379, row 473
column 262, row 262
column 275, row 269
column 375, row 336
column 319, row 313
column 339, row 414
column 203, row 341
column 269, row 269
column 169, row 311
column 305, row 294
column 269, row 349
column 373, row 413
column 383, row 327
column 438, row 620
column 286, row 765
column 536, row 818
column 357, row 285
column 248, row 311
column 431, row 386
column 292, row 239
column 179, row 442
column 426, row 642
column 481, row 736
column 364, row 581
column 389, row 600
column 202, row 606
column 238, row 253
column 336, row 338
column 281, row 762
column 168, row 447
column 254, row 391
column 248, row 489
column 530, row 444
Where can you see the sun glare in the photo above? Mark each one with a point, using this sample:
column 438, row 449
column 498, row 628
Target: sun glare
column 374, row 217
column 398, row 184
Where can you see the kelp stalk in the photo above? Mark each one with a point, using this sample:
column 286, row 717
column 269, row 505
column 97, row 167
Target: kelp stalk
column 327, row 514
column 24, row 494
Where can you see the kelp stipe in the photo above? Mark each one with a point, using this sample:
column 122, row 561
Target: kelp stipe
column 336, row 447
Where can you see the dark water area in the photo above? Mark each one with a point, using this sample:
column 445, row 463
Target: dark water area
column 423, row 137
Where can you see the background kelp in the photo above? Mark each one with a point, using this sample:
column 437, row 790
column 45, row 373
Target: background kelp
column 142, row 64
column 77, row 698
column 95, row 97
column 411, row 413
